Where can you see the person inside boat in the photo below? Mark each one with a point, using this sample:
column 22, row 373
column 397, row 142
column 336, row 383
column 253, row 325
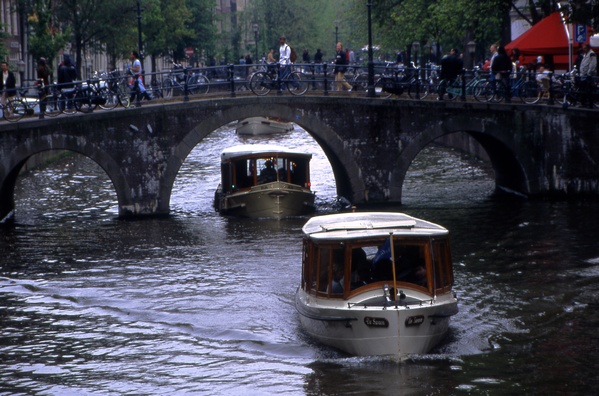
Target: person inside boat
column 268, row 173
column 360, row 265
column 417, row 275
column 337, row 282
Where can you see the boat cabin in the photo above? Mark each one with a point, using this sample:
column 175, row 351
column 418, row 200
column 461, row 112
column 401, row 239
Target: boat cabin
column 244, row 167
column 339, row 261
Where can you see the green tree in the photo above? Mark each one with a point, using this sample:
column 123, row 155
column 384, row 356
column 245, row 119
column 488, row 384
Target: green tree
column 202, row 31
column 95, row 23
column 165, row 28
column 307, row 24
column 46, row 38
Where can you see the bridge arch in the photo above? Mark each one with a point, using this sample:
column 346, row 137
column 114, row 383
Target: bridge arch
column 509, row 163
column 27, row 149
column 329, row 141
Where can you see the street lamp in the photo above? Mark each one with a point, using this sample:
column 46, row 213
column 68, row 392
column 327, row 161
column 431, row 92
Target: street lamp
column 21, row 70
column 371, row 93
column 255, row 27
column 139, row 41
column 415, row 49
column 471, row 48
column 566, row 6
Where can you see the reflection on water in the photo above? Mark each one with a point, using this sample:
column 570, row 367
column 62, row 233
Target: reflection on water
column 198, row 303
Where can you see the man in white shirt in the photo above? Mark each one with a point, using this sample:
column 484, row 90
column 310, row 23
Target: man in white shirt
column 284, row 54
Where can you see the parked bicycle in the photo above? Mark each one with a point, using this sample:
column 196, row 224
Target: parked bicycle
column 45, row 102
column 184, row 79
column 261, row 83
column 569, row 91
column 395, row 81
column 117, row 86
column 474, row 87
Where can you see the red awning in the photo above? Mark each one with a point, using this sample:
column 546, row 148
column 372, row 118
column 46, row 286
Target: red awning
column 548, row 37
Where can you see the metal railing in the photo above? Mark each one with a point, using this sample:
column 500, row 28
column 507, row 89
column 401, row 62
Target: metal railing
column 231, row 80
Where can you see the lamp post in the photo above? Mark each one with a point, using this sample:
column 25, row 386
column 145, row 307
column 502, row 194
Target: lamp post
column 471, row 48
column 21, row 70
column 336, row 31
column 371, row 93
column 139, row 41
column 255, row 27
column 567, row 6
column 415, row 49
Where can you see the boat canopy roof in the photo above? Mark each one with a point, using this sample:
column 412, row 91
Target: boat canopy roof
column 344, row 226
column 250, row 150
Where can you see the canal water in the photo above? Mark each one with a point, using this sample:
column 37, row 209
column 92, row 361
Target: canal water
column 200, row 304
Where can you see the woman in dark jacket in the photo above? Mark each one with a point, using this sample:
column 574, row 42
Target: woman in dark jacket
column 8, row 83
column 501, row 68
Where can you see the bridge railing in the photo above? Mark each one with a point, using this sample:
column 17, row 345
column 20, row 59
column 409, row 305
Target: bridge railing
column 391, row 81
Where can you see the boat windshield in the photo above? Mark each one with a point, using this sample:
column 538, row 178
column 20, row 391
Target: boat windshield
column 337, row 270
column 244, row 173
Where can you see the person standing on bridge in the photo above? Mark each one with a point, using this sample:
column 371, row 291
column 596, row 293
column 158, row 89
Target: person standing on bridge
column 451, row 67
column 43, row 82
column 284, row 58
column 138, row 84
column 8, row 83
column 341, row 68
column 588, row 70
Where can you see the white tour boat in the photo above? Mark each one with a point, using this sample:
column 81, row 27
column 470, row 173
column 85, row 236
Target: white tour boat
column 376, row 283
column 264, row 181
column 262, row 126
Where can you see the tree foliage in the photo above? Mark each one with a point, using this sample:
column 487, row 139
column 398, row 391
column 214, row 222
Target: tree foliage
column 451, row 23
column 46, row 37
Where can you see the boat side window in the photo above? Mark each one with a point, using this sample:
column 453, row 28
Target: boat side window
column 443, row 265
column 359, row 268
column 327, row 269
column 299, row 172
column 242, row 175
column 283, row 169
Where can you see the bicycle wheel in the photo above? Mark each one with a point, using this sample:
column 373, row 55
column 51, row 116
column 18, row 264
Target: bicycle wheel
column 529, row 92
column 379, row 86
column 360, row 81
column 418, row 89
column 83, row 102
column 298, row 84
column 14, row 110
column 110, row 98
column 167, row 89
column 67, row 103
column 260, row 83
column 479, row 90
column 453, row 89
column 198, row 85
column 52, row 106
column 123, row 94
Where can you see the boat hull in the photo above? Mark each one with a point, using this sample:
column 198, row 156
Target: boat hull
column 272, row 200
column 262, row 126
column 377, row 329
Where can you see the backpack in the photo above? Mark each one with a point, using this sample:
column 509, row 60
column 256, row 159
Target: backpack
column 292, row 55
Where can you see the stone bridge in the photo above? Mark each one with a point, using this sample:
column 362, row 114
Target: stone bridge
column 535, row 150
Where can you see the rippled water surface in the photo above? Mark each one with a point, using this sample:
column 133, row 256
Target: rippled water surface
column 197, row 303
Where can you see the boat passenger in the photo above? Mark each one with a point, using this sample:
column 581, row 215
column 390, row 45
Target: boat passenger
column 268, row 174
column 337, row 283
column 360, row 274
